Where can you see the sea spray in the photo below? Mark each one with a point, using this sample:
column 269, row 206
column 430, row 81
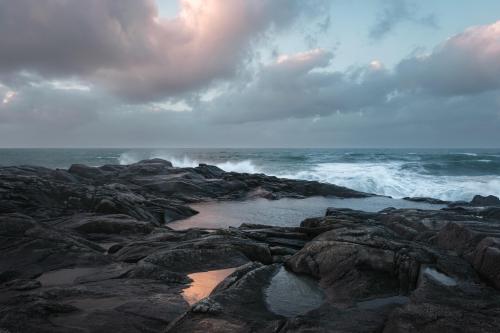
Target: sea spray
column 439, row 173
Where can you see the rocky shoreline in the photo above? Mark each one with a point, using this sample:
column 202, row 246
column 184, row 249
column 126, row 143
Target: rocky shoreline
column 89, row 249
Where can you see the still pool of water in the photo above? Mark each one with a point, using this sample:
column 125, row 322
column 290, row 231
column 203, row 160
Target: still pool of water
column 291, row 295
column 203, row 284
column 283, row 212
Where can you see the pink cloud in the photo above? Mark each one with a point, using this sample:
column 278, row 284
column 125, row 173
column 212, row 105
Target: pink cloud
column 466, row 63
column 127, row 47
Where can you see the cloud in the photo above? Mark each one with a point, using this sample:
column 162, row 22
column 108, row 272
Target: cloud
column 51, row 105
column 394, row 13
column 300, row 85
column 466, row 63
column 55, row 95
column 126, row 47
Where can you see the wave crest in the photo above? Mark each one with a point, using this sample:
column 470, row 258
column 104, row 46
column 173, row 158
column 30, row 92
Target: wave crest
column 393, row 180
column 397, row 179
column 244, row 166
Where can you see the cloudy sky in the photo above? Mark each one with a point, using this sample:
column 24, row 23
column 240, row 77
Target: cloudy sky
column 249, row 73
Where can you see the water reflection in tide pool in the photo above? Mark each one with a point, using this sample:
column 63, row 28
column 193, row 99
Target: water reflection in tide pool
column 283, row 212
column 291, row 295
column 203, row 284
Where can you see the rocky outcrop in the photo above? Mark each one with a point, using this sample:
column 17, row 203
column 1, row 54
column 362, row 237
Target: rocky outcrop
column 54, row 280
column 90, row 250
column 377, row 260
column 392, row 271
column 428, row 200
column 489, row 200
column 237, row 305
column 150, row 190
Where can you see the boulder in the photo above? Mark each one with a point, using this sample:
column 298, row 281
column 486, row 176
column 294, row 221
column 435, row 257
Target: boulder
column 489, row 200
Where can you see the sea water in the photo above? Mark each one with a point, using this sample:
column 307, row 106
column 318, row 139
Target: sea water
column 448, row 174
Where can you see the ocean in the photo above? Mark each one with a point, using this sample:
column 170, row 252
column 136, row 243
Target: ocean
column 448, row 174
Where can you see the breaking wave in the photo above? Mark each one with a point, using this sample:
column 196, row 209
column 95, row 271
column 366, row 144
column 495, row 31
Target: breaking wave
column 245, row 166
column 394, row 180
column 435, row 176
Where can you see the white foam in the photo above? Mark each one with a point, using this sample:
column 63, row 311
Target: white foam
column 390, row 179
column 466, row 154
column 244, row 166
column 384, row 178
column 184, row 162
column 128, row 158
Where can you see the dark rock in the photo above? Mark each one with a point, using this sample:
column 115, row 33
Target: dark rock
column 173, row 213
column 155, row 161
column 487, row 258
column 210, row 171
column 109, row 224
column 431, row 201
column 115, row 248
column 492, row 213
column 106, row 206
column 85, row 171
column 238, row 305
column 396, row 270
column 155, row 272
column 23, row 285
column 210, row 252
column 489, row 200
column 365, row 257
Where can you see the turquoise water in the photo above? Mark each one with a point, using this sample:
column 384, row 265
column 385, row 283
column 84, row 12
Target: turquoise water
column 449, row 174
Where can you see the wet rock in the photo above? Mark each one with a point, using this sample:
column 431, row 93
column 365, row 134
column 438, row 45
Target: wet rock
column 487, row 258
column 23, row 284
column 210, row 171
column 84, row 171
column 29, row 248
column 147, row 270
column 208, row 255
column 489, row 200
column 436, row 308
column 109, row 224
column 492, row 213
column 115, row 248
column 364, row 258
column 396, row 270
column 207, row 305
column 239, row 306
column 432, row 201
column 282, row 251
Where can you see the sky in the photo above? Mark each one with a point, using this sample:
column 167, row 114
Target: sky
column 250, row 73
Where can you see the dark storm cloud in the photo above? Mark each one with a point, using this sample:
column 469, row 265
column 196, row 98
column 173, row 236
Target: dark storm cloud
column 396, row 12
column 125, row 46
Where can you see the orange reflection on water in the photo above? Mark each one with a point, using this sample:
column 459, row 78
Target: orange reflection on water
column 203, row 284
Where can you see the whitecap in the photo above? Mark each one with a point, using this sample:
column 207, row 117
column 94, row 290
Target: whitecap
column 385, row 178
column 466, row 154
column 391, row 179
column 242, row 166
column 245, row 166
